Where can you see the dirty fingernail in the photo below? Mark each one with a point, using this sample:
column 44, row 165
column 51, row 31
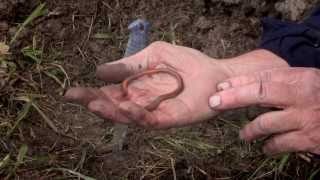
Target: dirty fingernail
column 224, row 86
column 214, row 101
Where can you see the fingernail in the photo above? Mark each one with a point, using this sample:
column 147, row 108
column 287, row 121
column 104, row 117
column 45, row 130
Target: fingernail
column 224, row 86
column 214, row 101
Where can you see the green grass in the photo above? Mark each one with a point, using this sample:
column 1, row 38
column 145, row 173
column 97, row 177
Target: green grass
column 19, row 161
column 47, row 64
column 159, row 156
column 41, row 10
column 74, row 174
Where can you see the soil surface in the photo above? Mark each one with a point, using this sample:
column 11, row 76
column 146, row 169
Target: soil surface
column 75, row 36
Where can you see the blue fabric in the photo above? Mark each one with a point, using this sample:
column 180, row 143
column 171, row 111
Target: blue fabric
column 297, row 43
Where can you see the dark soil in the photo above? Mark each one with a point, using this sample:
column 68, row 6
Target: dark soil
column 67, row 37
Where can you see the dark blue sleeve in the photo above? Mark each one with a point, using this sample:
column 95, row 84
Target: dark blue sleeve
column 297, row 43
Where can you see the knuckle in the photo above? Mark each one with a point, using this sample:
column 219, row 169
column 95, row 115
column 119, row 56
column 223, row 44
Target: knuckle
column 158, row 45
column 242, row 80
column 235, row 97
column 278, row 144
column 304, row 146
column 264, row 76
column 151, row 125
column 274, row 144
column 304, row 118
column 313, row 141
column 262, row 90
column 263, row 125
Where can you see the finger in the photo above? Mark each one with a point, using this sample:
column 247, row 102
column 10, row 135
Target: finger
column 113, row 91
column 264, row 93
column 289, row 142
column 107, row 110
column 81, row 95
column 119, row 70
column 271, row 123
column 138, row 114
column 286, row 75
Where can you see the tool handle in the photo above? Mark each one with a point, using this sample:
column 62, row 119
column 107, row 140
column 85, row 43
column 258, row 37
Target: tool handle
column 138, row 38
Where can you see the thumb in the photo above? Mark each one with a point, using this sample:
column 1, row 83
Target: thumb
column 119, row 70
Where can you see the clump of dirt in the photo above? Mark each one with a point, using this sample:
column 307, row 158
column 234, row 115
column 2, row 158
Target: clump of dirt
column 63, row 47
column 6, row 9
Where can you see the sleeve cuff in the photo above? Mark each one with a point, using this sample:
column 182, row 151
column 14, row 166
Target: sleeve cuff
column 297, row 43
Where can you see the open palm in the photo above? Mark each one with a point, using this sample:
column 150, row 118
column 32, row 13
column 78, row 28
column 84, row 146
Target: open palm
column 199, row 72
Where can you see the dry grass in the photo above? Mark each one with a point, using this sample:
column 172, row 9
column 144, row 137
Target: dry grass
column 36, row 143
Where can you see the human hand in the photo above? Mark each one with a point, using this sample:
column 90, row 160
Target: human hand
column 296, row 91
column 199, row 72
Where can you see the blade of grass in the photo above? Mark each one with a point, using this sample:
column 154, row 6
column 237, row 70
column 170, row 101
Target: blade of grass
column 32, row 53
column 190, row 145
column 283, row 162
column 58, row 68
column 36, row 107
column 313, row 175
column 55, row 78
column 20, row 158
column 21, row 116
column 22, row 153
column 79, row 175
column 67, row 78
column 102, row 36
column 39, row 11
column 5, row 161
column 259, row 168
column 45, row 118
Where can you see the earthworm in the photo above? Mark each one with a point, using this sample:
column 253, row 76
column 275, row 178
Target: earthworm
column 155, row 103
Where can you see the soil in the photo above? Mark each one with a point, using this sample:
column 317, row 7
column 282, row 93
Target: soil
column 68, row 36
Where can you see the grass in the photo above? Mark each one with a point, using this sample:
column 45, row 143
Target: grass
column 20, row 160
column 5, row 161
column 186, row 153
column 75, row 174
column 23, row 101
column 188, row 143
column 41, row 10
column 22, row 115
column 50, row 68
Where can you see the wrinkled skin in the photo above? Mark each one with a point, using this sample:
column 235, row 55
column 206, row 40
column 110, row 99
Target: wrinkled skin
column 295, row 91
column 200, row 74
